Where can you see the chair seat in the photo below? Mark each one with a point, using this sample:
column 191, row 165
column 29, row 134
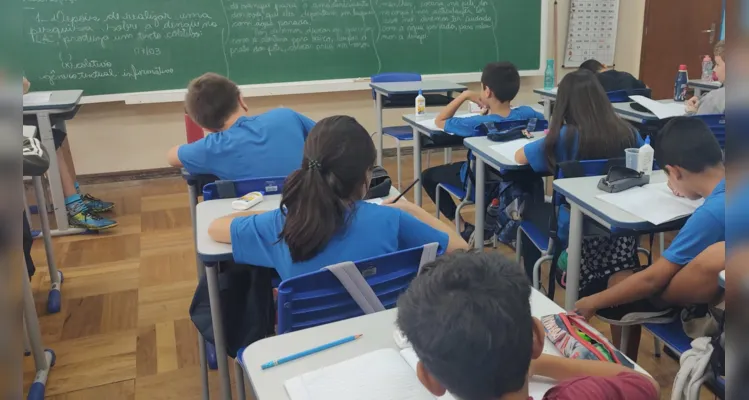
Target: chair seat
column 399, row 132
column 540, row 238
column 456, row 191
column 672, row 335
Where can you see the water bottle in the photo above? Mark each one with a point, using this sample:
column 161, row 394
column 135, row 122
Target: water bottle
column 680, row 87
column 707, row 69
column 491, row 222
column 421, row 104
column 549, row 75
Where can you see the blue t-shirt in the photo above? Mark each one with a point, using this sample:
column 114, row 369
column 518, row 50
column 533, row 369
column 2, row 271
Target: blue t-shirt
column 266, row 145
column 372, row 231
column 534, row 151
column 705, row 227
column 737, row 216
column 469, row 126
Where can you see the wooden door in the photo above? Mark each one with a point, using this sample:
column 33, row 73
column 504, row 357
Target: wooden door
column 677, row 32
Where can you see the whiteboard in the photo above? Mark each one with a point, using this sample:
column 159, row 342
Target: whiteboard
column 591, row 32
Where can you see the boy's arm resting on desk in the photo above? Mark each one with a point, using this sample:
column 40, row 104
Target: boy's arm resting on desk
column 562, row 369
column 450, row 109
column 220, row 229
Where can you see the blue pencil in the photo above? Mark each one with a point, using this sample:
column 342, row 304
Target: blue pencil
column 305, row 353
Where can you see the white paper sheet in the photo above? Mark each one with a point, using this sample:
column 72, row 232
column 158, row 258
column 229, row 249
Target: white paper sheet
column 377, row 201
column 381, row 374
column 664, row 189
column 36, row 98
column 508, row 149
column 649, row 204
column 429, row 124
column 661, row 110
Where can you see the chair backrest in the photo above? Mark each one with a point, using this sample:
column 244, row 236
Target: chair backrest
column 193, row 131
column 386, row 77
column 622, row 96
column 319, row 298
column 238, row 188
column 717, row 124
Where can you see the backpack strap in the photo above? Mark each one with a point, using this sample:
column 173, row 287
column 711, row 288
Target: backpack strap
column 428, row 255
column 225, row 189
column 355, row 284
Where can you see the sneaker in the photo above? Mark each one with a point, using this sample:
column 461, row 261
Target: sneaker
column 468, row 235
column 96, row 205
column 82, row 217
column 637, row 313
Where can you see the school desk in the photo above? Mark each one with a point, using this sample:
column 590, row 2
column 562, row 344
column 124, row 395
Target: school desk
column 626, row 111
column 377, row 330
column 700, row 86
column 481, row 147
column 211, row 253
column 581, row 195
column 384, row 89
column 60, row 101
column 547, row 96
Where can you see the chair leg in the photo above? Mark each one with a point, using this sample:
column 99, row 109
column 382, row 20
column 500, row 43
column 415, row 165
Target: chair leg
column 446, row 156
column 239, row 380
column 398, row 160
column 657, row 346
column 457, row 216
column 519, row 245
column 429, row 157
column 437, row 200
column 537, row 271
column 625, row 339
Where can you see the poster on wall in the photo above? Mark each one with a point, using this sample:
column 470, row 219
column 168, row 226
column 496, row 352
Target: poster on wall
column 591, row 32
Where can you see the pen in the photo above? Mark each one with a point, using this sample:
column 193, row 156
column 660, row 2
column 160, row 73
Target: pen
column 313, row 350
column 405, row 191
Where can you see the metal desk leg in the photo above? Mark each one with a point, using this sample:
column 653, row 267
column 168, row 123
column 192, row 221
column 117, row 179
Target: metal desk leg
column 574, row 256
column 193, row 193
column 378, row 119
column 43, row 359
column 54, row 299
column 417, row 167
column 239, row 379
column 218, row 330
column 480, row 200
column 547, row 108
column 55, row 184
column 697, row 92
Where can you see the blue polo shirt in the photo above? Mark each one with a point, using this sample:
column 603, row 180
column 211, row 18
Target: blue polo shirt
column 705, row 227
column 469, row 127
column 372, row 231
column 265, row 145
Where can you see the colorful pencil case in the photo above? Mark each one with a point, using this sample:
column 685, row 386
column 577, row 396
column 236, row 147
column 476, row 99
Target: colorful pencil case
column 575, row 339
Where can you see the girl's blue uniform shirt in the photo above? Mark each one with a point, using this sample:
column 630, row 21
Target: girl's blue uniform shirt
column 265, row 145
column 371, row 231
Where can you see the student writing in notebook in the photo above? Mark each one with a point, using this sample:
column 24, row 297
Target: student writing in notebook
column 687, row 273
column 500, row 83
column 468, row 318
column 322, row 219
column 240, row 146
column 714, row 102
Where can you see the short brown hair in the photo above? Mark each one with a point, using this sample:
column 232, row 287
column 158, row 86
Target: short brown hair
column 211, row 99
column 720, row 50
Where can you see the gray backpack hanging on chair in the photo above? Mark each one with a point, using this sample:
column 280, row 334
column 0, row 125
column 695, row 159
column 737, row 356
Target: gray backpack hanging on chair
column 35, row 157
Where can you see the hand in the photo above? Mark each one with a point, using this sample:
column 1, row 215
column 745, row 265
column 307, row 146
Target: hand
column 26, row 85
column 401, row 204
column 474, row 97
column 675, row 192
column 586, row 307
column 692, row 104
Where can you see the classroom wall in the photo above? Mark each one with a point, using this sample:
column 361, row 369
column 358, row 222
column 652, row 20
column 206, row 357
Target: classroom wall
column 115, row 137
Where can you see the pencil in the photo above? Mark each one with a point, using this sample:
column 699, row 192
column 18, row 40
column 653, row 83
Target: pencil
column 305, row 353
column 405, row 191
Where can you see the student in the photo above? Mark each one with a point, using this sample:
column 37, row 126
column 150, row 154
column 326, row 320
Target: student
column 500, row 83
column 468, row 318
column 687, row 273
column 611, row 79
column 83, row 209
column 322, row 219
column 241, row 147
column 714, row 102
column 584, row 126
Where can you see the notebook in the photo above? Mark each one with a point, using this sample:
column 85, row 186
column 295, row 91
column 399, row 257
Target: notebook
column 661, row 110
column 654, row 203
column 508, row 149
column 432, row 126
column 381, row 374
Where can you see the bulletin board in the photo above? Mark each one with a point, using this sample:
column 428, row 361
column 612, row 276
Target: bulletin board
column 591, row 32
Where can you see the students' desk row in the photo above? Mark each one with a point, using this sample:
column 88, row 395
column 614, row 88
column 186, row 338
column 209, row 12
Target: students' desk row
column 700, row 86
column 211, row 253
column 61, row 101
column 385, row 89
column 377, row 330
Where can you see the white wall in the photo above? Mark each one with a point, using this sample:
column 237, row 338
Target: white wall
column 116, row 137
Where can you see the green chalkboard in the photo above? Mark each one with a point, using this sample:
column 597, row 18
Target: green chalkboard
column 124, row 46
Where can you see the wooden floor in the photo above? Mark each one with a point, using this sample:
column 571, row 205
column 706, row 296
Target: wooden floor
column 124, row 331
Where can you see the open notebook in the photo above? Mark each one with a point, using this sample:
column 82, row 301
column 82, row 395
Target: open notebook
column 429, row 124
column 381, row 374
column 654, row 203
column 508, row 149
column 661, row 110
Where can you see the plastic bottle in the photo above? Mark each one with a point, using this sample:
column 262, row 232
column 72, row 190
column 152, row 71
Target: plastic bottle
column 421, row 104
column 491, row 222
column 645, row 158
column 549, row 75
column 680, row 87
column 707, row 69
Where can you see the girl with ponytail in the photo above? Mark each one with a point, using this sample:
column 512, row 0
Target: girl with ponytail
column 323, row 219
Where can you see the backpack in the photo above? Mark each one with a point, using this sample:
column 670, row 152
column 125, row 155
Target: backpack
column 514, row 193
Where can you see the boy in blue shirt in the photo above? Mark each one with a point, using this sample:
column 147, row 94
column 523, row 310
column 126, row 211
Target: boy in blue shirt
column 500, row 83
column 687, row 273
column 241, row 147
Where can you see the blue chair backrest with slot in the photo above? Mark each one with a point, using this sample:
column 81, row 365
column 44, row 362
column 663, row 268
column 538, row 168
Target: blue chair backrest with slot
column 622, row 96
column 238, row 188
column 717, row 124
column 319, row 298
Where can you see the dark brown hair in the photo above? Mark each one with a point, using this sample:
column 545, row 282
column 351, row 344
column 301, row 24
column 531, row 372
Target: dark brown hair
column 583, row 107
column 503, row 79
column 319, row 197
column 211, row 99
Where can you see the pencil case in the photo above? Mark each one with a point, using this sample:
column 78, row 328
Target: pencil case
column 575, row 339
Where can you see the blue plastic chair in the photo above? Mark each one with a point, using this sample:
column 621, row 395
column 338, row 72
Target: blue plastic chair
column 622, row 96
column 319, row 298
column 717, row 124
